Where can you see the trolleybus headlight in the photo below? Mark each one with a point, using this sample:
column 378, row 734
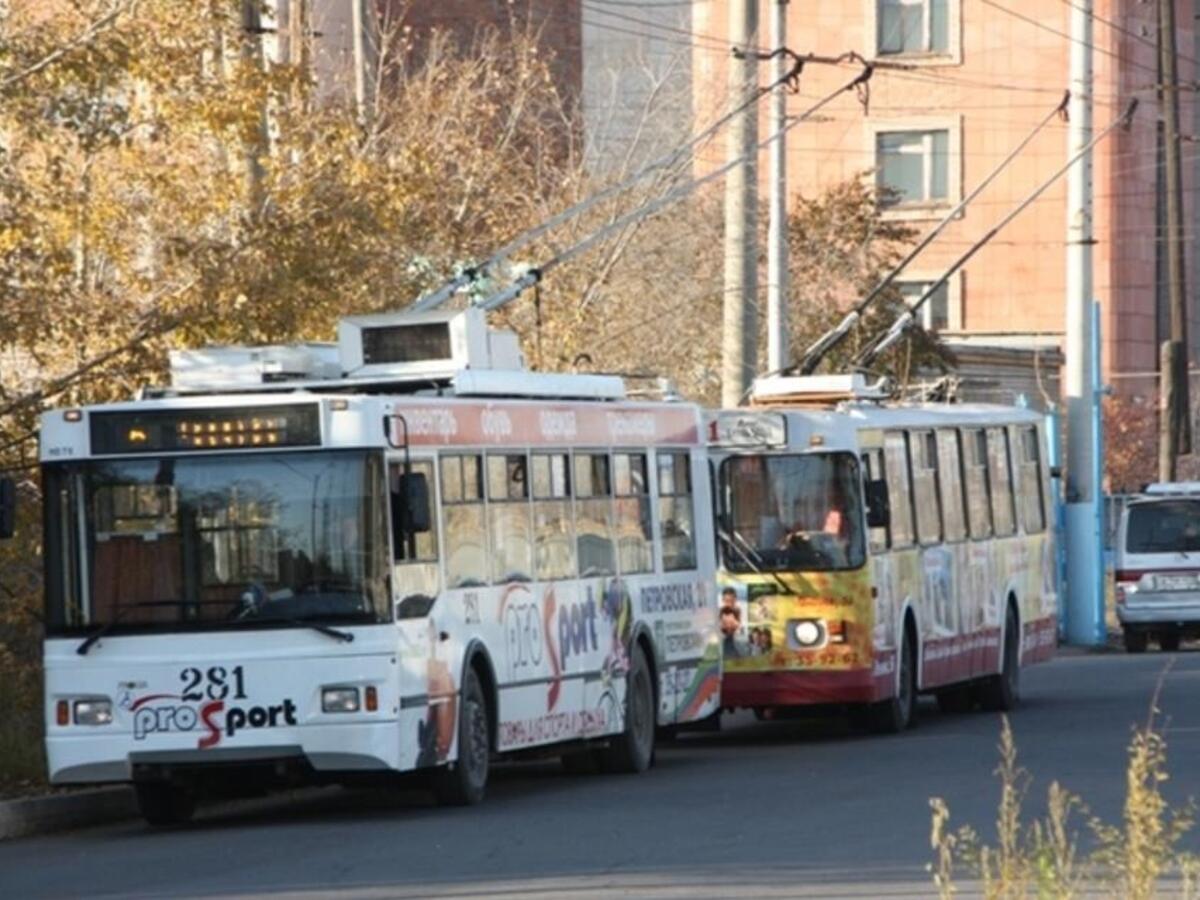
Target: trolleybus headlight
column 339, row 699
column 808, row 632
column 93, row 712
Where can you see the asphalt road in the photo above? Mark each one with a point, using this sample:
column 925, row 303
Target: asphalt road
column 759, row 810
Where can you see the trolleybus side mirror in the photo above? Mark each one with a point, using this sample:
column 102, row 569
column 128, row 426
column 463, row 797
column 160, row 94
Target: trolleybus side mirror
column 411, row 514
column 414, row 489
column 878, row 507
column 1056, row 472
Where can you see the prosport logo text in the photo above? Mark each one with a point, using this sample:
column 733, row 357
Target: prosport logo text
column 214, row 718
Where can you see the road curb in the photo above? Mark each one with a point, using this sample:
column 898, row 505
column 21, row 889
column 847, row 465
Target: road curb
column 57, row 812
column 28, row 816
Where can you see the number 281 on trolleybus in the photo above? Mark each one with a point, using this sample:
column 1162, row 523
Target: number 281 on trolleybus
column 872, row 550
column 277, row 568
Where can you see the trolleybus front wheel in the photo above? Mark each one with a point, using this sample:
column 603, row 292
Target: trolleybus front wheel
column 896, row 714
column 464, row 781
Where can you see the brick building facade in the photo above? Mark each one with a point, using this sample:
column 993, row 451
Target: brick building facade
column 983, row 74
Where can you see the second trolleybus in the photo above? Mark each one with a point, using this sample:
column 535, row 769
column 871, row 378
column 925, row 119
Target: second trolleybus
column 871, row 550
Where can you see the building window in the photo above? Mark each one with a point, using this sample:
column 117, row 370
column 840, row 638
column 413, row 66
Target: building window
column 912, row 26
column 934, row 314
column 912, row 167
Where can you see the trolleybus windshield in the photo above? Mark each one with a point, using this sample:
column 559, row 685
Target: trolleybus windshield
column 219, row 541
column 797, row 512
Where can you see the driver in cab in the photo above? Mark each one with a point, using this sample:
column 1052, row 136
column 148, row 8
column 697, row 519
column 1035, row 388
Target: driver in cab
column 819, row 520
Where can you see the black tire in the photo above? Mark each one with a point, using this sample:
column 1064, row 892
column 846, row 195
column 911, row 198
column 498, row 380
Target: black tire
column 464, row 782
column 165, row 803
column 1136, row 640
column 899, row 713
column 1169, row 639
column 1002, row 692
column 632, row 750
column 955, row 700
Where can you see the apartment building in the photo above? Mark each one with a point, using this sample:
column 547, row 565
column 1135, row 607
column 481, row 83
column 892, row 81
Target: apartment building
column 980, row 75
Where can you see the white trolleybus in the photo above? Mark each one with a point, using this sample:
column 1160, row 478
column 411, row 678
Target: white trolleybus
column 871, row 550
column 400, row 553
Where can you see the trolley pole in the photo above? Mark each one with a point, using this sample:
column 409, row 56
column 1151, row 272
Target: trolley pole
column 740, row 322
column 778, row 354
column 1085, row 600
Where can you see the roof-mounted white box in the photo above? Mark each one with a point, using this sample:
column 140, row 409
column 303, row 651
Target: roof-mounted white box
column 211, row 368
column 431, row 345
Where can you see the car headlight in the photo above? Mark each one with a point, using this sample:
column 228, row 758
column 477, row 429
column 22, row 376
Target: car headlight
column 339, row 699
column 808, row 632
column 93, row 712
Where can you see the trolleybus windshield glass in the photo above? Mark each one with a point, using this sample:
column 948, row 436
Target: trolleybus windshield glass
column 799, row 512
column 217, row 541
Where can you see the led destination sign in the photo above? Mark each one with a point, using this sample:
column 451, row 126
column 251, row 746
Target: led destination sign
column 248, row 427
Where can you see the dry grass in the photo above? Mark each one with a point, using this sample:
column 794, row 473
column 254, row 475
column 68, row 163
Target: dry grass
column 1138, row 857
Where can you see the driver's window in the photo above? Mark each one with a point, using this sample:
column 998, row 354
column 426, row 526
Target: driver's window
column 415, row 570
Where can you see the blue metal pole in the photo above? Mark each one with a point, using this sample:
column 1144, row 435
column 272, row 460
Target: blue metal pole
column 1085, row 563
column 1098, row 615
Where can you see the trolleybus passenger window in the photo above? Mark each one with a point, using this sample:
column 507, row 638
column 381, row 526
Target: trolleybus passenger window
column 1033, row 515
column 510, row 521
column 895, row 451
column 465, row 532
column 873, row 469
column 635, row 541
column 553, row 528
column 950, row 483
column 675, row 513
column 925, row 488
column 593, row 515
column 975, row 476
column 1000, row 481
column 415, row 574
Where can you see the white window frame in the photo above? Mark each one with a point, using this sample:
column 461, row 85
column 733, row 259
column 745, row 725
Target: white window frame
column 954, row 310
column 951, row 56
column 932, row 209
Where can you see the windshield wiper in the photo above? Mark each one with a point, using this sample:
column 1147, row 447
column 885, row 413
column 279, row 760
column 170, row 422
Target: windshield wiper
column 327, row 630
column 748, row 554
column 104, row 629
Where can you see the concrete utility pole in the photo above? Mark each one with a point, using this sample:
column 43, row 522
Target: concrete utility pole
column 256, row 144
column 1175, row 431
column 362, row 80
column 740, row 330
column 1085, row 610
column 778, row 350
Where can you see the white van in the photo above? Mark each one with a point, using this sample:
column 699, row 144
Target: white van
column 1158, row 566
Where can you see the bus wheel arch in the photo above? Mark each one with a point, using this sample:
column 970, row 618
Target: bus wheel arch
column 909, row 628
column 478, row 659
column 898, row 712
column 643, row 640
column 1001, row 692
column 632, row 749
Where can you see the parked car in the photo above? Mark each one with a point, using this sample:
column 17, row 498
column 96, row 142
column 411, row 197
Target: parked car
column 1158, row 566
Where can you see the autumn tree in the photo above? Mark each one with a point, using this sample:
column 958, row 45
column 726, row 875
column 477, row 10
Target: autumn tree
column 168, row 180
